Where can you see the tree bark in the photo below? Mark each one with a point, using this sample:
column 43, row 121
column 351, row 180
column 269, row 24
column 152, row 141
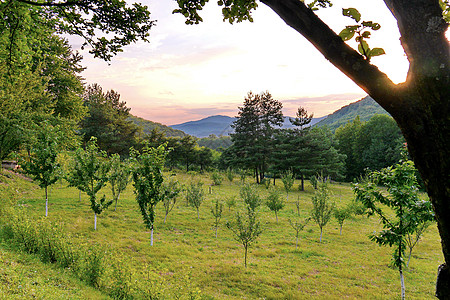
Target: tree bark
column 95, row 221
column 420, row 106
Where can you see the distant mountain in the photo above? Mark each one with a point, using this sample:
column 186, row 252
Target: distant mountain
column 364, row 108
column 148, row 126
column 219, row 125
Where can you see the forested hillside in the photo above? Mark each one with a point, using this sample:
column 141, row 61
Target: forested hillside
column 147, row 126
column 364, row 108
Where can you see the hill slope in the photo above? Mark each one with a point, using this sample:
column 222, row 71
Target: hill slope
column 364, row 108
column 148, row 126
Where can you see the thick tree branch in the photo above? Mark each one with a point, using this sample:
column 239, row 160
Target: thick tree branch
column 53, row 4
column 351, row 63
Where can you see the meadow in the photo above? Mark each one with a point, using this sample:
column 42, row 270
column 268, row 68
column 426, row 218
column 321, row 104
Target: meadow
column 186, row 255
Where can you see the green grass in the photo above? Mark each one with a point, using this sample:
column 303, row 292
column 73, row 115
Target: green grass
column 186, row 252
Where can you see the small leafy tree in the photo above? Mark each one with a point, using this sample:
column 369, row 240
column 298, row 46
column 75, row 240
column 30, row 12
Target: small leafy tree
column 314, row 181
column 288, row 181
column 322, row 207
column 230, row 175
column 170, row 190
column 250, row 196
column 118, row 177
column 341, row 214
column 274, row 202
column 43, row 165
column 195, row 195
column 231, row 202
column 216, row 211
column 246, row 229
column 216, row 178
column 148, row 180
column 90, row 175
column 297, row 205
column 407, row 211
column 298, row 225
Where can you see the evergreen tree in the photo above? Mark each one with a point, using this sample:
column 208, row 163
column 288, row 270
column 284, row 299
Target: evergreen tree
column 253, row 132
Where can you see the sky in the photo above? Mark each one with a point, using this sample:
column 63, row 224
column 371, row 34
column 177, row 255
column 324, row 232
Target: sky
column 189, row 72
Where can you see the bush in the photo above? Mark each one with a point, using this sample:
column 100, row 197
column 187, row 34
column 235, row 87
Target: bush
column 216, row 178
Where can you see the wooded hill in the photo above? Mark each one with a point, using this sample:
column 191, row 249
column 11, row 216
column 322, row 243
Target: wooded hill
column 364, row 108
column 147, row 126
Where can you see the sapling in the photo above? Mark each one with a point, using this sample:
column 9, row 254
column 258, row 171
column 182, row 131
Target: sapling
column 250, row 196
column 195, row 195
column 169, row 193
column 314, row 181
column 288, row 181
column 246, row 229
column 217, row 178
column 118, row 176
column 406, row 211
column 274, row 202
column 230, row 175
column 230, row 202
column 43, row 165
column 297, row 205
column 298, row 226
column 341, row 214
column 216, row 211
column 90, row 175
column 148, row 180
column 322, row 207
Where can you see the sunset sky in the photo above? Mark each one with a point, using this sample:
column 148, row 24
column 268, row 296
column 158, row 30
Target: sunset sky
column 191, row 72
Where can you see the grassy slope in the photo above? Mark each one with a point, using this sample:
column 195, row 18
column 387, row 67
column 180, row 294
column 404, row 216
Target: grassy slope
column 24, row 276
column 347, row 266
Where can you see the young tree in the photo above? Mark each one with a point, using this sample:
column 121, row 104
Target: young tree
column 195, row 195
column 216, row 211
column 419, row 105
column 90, row 175
column 298, row 226
column 231, row 202
column 288, row 181
column 217, row 178
column 230, row 175
column 170, row 190
column 43, row 165
column 341, row 214
column 148, row 180
column 274, row 202
column 250, row 196
column 402, row 197
column 118, row 176
column 322, row 207
column 246, row 229
column 297, row 206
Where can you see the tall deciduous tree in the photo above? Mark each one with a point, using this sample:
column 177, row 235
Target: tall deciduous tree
column 148, row 180
column 420, row 105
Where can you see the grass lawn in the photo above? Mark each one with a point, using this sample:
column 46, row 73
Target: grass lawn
column 186, row 251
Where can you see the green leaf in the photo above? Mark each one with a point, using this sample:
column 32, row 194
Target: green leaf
column 363, row 48
column 346, row 34
column 352, row 13
column 376, row 52
column 366, row 34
